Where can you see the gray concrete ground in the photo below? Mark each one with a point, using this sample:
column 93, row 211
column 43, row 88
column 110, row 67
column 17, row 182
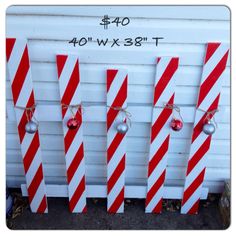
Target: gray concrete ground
column 134, row 217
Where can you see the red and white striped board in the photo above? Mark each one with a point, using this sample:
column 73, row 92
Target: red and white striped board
column 160, row 132
column 23, row 97
column 70, row 93
column 208, row 99
column 117, row 83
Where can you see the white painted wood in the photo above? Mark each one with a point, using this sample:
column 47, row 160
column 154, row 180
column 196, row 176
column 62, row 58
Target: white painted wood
column 132, row 158
column 136, row 130
column 137, row 144
column 185, row 31
column 172, row 12
column 190, row 54
column 132, row 172
column 141, row 75
column 100, row 191
column 16, row 181
column 94, row 113
column 44, row 27
column 141, row 94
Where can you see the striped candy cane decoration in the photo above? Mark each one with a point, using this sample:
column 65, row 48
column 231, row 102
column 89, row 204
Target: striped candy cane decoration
column 23, row 97
column 160, row 131
column 70, row 93
column 116, row 145
column 208, row 99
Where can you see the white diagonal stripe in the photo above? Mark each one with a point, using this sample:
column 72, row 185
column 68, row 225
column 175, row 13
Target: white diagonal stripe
column 116, row 190
column 161, row 67
column 81, row 203
column 116, row 158
column 36, row 162
column 38, row 197
column 158, row 141
column 156, row 198
column 190, row 202
column 157, row 172
column 26, row 142
column 15, row 58
column 66, row 73
column 76, row 99
column 115, row 86
column 25, row 92
column 74, row 147
column 213, row 61
column 197, row 144
column 121, row 208
column 167, row 93
column 76, row 179
column 198, row 168
column 212, row 94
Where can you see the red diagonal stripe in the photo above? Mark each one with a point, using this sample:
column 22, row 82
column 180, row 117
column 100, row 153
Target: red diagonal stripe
column 31, row 152
column 10, row 42
column 158, row 155
column 114, row 145
column 71, row 133
column 75, row 163
column 158, row 207
column 111, row 74
column 118, row 102
column 71, row 87
column 21, row 73
column 32, row 189
column 77, row 194
column 161, row 120
column 199, row 154
column 117, row 203
column 155, row 187
column 43, row 205
column 211, row 48
column 198, row 127
column 193, row 187
column 212, row 78
column 85, row 209
column 194, row 209
column 23, row 120
column 61, row 60
column 165, row 78
column 116, row 174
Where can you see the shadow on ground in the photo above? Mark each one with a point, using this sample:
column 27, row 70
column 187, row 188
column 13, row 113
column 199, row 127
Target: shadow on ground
column 134, row 217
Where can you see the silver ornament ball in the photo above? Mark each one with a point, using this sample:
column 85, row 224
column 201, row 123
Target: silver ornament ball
column 122, row 128
column 209, row 128
column 31, row 127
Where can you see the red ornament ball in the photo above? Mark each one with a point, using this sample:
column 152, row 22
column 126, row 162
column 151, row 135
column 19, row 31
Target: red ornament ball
column 176, row 124
column 72, row 123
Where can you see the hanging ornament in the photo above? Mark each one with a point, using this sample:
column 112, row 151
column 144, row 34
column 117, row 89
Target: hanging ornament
column 209, row 124
column 73, row 123
column 32, row 124
column 31, row 127
column 122, row 128
column 176, row 124
column 209, row 128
